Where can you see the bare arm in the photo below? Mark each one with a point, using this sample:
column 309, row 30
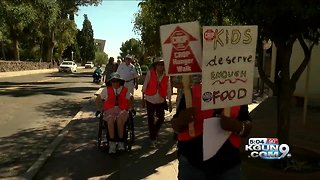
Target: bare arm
column 99, row 104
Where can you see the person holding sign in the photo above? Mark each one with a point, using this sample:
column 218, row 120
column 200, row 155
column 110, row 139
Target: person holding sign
column 156, row 88
column 225, row 164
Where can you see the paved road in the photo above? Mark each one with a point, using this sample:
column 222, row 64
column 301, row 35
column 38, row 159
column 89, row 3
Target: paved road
column 34, row 108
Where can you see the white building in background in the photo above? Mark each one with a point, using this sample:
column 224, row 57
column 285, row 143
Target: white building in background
column 308, row 85
column 100, row 43
column 309, row 81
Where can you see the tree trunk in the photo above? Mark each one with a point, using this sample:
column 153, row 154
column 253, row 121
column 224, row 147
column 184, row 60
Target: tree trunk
column 2, row 50
column 16, row 53
column 284, row 113
column 285, row 91
column 50, row 47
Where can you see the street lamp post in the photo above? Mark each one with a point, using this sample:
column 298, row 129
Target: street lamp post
column 72, row 55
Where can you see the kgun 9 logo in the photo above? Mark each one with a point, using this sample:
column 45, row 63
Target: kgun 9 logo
column 267, row 148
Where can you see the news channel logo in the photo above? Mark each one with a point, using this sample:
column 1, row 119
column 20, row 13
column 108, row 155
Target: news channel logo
column 267, row 148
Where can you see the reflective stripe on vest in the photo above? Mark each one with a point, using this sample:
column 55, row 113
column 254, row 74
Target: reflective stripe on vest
column 201, row 115
column 123, row 102
column 153, row 85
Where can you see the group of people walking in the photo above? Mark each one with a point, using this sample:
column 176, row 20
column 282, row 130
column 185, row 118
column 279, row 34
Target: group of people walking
column 118, row 96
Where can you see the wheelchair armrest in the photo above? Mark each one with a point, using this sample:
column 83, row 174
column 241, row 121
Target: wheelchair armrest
column 98, row 114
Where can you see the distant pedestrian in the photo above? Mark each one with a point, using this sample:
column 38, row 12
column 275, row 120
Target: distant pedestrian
column 128, row 72
column 119, row 61
column 157, row 89
column 110, row 68
column 139, row 72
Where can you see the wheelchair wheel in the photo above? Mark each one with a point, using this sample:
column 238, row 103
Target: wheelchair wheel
column 100, row 132
column 102, row 129
column 131, row 127
column 130, row 131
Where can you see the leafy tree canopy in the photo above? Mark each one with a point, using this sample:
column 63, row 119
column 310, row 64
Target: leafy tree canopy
column 132, row 47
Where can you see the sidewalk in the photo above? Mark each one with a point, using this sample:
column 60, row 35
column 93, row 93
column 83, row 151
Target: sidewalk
column 21, row 73
column 27, row 72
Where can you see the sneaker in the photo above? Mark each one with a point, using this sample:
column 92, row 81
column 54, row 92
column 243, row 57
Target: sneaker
column 112, row 147
column 121, row 146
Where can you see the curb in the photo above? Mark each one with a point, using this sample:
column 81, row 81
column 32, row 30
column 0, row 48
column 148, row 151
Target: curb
column 21, row 73
column 27, row 72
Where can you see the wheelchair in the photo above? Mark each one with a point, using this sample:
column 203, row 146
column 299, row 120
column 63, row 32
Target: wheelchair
column 103, row 134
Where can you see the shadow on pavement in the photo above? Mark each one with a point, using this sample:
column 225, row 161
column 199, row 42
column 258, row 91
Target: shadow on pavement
column 72, row 75
column 60, row 108
column 20, row 150
column 35, row 90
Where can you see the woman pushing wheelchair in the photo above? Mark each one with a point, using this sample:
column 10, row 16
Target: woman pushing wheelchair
column 115, row 110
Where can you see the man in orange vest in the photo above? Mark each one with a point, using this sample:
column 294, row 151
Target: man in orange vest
column 226, row 163
column 156, row 88
column 116, row 104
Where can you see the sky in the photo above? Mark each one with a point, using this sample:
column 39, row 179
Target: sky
column 111, row 21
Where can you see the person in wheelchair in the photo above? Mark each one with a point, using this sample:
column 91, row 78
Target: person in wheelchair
column 115, row 106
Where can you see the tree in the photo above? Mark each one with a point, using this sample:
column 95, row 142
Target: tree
column 101, row 58
column 16, row 15
column 66, row 36
column 48, row 23
column 284, row 22
column 3, row 38
column 72, row 6
column 132, row 47
column 153, row 14
column 86, row 41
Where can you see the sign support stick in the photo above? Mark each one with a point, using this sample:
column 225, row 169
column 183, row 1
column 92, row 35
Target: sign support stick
column 188, row 97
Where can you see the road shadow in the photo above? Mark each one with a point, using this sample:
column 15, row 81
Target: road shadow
column 26, row 84
column 60, row 108
column 20, row 150
column 71, row 75
column 35, row 90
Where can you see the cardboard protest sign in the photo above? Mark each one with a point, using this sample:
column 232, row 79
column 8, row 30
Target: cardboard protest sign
column 228, row 65
column 181, row 48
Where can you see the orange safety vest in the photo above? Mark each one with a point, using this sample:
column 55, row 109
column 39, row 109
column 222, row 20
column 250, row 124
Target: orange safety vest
column 201, row 115
column 123, row 102
column 153, row 85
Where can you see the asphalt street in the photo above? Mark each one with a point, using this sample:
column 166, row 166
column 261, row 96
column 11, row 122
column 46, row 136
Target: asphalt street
column 34, row 108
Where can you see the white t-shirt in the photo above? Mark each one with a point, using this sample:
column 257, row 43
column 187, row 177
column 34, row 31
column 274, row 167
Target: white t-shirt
column 128, row 73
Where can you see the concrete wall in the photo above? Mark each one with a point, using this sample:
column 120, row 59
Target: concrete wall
column 314, row 74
